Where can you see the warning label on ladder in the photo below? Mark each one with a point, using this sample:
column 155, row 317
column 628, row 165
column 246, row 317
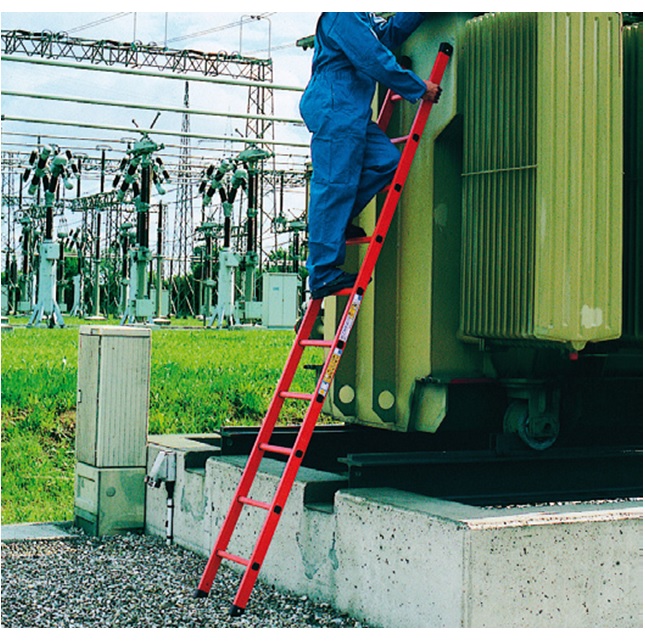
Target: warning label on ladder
column 330, row 372
column 350, row 318
column 343, row 335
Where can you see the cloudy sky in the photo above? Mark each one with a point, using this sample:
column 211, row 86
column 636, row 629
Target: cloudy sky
column 211, row 32
column 208, row 32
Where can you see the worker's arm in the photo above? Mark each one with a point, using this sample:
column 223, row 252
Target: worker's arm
column 395, row 31
column 368, row 54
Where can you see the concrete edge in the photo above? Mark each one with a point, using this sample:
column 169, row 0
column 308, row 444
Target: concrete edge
column 480, row 518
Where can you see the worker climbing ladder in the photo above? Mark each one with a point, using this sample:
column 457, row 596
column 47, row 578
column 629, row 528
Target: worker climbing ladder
column 295, row 454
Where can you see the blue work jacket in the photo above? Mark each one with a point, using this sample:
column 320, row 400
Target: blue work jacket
column 353, row 53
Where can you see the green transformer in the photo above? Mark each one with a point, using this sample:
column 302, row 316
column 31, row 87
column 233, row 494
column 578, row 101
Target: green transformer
column 511, row 264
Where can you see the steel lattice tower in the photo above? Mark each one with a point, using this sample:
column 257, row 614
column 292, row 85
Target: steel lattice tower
column 183, row 223
column 9, row 170
column 260, row 101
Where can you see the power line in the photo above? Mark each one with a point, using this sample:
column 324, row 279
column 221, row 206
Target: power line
column 156, row 132
column 223, row 27
column 114, row 16
column 131, row 105
column 116, row 141
column 287, row 45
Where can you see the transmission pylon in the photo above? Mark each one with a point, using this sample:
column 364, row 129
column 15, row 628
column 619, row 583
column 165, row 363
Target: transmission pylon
column 184, row 224
column 260, row 101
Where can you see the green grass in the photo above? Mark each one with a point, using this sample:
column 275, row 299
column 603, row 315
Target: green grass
column 200, row 381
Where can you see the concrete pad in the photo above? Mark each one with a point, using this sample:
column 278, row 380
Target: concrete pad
column 301, row 557
column 36, row 531
column 398, row 559
column 412, row 561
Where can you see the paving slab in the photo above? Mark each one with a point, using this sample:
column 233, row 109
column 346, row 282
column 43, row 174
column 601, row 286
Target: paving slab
column 35, row 531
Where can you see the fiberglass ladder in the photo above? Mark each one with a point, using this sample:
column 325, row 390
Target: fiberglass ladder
column 295, row 454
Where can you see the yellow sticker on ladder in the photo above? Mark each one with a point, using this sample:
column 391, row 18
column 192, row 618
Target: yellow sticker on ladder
column 330, row 372
column 332, row 366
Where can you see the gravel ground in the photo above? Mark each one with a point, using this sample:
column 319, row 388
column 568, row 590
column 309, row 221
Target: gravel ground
column 136, row 581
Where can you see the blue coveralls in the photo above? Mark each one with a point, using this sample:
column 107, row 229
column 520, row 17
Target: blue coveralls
column 352, row 158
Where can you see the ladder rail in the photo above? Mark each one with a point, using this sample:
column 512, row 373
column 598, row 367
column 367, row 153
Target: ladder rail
column 295, row 454
column 255, row 458
column 283, row 490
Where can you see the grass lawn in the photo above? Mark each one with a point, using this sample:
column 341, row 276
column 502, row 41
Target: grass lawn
column 200, row 380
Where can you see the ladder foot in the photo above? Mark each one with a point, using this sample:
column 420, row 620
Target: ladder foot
column 236, row 611
column 199, row 594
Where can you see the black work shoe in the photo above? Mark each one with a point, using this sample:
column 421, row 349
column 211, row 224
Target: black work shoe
column 343, row 281
column 354, row 231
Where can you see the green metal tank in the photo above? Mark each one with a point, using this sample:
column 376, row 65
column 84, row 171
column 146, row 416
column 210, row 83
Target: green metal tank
column 542, row 226
column 508, row 237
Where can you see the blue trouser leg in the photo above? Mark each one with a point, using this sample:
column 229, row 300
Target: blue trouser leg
column 379, row 164
column 337, row 162
column 349, row 169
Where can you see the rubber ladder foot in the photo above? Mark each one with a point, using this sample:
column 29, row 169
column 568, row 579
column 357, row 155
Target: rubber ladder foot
column 199, row 594
column 236, row 611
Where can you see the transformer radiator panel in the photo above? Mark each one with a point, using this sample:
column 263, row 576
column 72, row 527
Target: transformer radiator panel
column 542, row 181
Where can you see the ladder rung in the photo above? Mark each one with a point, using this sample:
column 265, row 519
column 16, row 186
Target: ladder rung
column 247, row 501
column 396, row 141
column 297, row 451
column 300, row 396
column 310, row 342
column 275, row 449
column 359, row 241
column 232, row 557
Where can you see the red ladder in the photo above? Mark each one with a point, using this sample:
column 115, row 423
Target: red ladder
column 295, row 454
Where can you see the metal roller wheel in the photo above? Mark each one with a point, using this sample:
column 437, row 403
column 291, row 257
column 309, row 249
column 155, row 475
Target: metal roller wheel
column 516, row 421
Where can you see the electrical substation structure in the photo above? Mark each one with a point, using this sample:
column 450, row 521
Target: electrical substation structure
column 100, row 245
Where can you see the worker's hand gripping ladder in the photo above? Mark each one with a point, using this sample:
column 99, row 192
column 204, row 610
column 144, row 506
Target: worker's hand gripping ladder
column 295, row 454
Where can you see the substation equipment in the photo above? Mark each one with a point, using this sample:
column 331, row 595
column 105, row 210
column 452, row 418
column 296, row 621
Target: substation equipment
column 278, row 306
column 140, row 169
column 506, row 308
column 49, row 166
column 226, row 180
column 26, row 280
column 86, row 243
column 257, row 75
column 113, row 395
